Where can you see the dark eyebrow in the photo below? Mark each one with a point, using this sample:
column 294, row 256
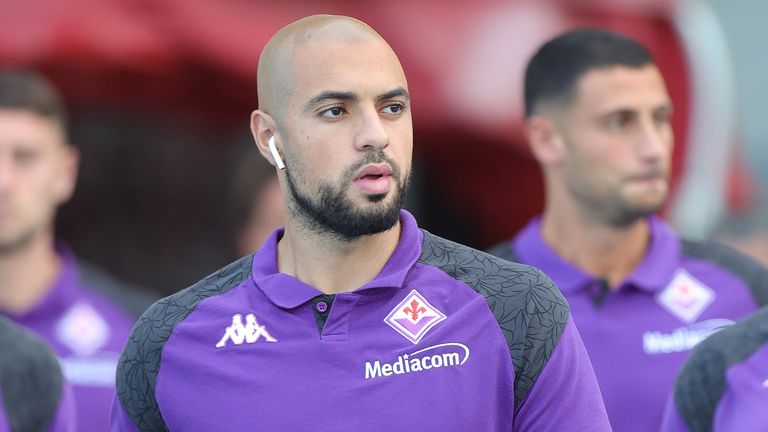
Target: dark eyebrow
column 398, row 92
column 332, row 95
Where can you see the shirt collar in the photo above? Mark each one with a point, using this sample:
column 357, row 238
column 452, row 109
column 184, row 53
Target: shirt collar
column 288, row 292
column 651, row 274
column 530, row 246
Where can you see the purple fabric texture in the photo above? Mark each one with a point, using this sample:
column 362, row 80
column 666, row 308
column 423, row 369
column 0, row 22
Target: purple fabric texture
column 639, row 336
column 255, row 355
column 565, row 376
column 744, row 405
column 86, row 332
column 671, row 421
column 4, row 426
column 65, row 419
column 724, row 385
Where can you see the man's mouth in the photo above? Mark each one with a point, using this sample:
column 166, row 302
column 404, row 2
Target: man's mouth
column 374, row 179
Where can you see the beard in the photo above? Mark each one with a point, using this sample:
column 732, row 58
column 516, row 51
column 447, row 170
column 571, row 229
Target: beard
column 614, row 209
column 623, row 214
column 330, row 212
column 21, row 241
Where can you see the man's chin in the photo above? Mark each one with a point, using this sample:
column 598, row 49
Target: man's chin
column 12, row 243
column 376, row 198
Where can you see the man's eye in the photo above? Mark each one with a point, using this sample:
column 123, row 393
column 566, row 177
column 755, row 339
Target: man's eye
column 333, row 112
column 662, row 119
column 393, row 109
column 25, row 157
column 619, row 121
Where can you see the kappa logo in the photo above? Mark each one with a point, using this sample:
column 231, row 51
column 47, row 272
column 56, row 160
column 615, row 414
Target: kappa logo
column 685, row 297
column 413, row 317
column 248, row 333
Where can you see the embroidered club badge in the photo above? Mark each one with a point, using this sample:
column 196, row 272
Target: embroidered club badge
column 685, row 297
column 414, row 317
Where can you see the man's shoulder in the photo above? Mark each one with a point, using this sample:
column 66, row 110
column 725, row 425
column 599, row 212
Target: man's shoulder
column 703, row 379
column 30, row 377
column 484, row 272
column 530, row 311
column 139, row 364
column 736, row 342
column 504, row 250
column 128, row 297
column 175, row 308
column 751, row 272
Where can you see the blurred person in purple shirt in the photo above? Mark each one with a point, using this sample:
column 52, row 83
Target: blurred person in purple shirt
column 42, row 286
column 351, row 318
column 33, row 393
column 723, row 386
column 256, row 202
column 598, row 121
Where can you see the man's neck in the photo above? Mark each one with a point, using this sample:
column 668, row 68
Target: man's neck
column 27, row 275
column 604, row 251
column 332, row 265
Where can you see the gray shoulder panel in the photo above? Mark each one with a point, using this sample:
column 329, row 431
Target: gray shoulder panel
column 530, row 311
column 750, row 271
column 140, row 362
column 701, row 382
column 504, row 251
column 30, row 379
column 133, row 299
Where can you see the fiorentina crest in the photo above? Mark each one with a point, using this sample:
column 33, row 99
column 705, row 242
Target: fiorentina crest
column 686, row 297
column 413, row 317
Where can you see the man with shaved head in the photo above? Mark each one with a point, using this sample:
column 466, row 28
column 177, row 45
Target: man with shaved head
column 351, row 318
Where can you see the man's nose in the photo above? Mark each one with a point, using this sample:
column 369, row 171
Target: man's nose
column 372, row 134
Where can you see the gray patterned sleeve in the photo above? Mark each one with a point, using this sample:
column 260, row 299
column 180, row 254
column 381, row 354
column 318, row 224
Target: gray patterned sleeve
column 530, row 311
column 140, row 362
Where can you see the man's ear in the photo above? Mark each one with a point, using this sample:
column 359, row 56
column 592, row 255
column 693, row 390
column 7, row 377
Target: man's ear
column 545, row 140
column 69, row 165
column 264, row 129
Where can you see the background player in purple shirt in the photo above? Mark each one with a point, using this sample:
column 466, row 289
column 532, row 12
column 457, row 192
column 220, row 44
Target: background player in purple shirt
column 33, row 394
column 42, row 287
column 352, row 318
column 598, row 121
column 723, row 386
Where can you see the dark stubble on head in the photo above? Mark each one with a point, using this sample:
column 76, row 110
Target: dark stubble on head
column 329, row 211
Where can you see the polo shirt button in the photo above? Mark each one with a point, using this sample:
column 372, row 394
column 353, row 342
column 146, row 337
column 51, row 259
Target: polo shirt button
column 321, row 306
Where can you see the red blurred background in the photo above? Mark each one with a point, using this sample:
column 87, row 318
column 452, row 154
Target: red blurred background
column 160, row 92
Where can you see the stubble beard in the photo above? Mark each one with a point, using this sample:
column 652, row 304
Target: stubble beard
column 17, row 243
column 330, row 212
column 616, row 210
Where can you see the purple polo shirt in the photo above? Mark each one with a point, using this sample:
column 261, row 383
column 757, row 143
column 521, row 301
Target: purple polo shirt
column 87, row 332
column 33, row 393
column 445, row 338
column 4, row 426
column 724, row 385
column 639, row 335
column 64, row 419
column 744, row 405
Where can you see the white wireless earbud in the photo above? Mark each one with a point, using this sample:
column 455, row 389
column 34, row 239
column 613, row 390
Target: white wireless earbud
column 275, row 154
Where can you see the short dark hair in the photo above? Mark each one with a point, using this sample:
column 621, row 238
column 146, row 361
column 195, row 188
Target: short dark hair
column 555, row 69
column 30, row 91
